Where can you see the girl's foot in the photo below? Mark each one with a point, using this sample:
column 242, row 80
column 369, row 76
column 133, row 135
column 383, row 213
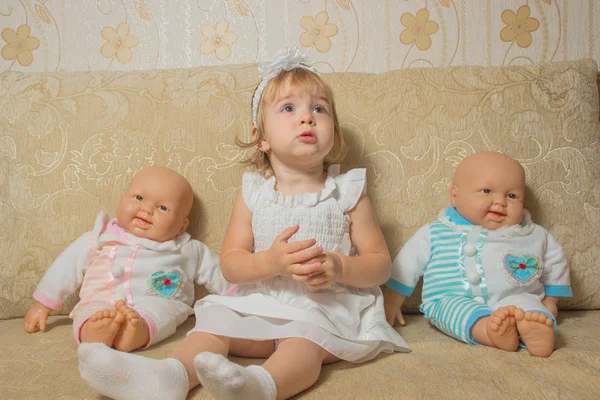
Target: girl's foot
column 228, row 381
column 127, row 376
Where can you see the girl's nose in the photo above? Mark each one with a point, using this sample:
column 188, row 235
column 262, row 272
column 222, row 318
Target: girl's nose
column 307, row 118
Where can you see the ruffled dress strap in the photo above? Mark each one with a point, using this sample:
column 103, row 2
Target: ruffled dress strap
column 350, row 187
column 251, row 185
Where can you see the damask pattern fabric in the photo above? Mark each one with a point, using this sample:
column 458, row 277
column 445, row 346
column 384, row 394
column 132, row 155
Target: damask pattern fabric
column 69, row 143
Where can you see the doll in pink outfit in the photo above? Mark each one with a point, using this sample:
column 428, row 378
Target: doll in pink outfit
column 136, row 272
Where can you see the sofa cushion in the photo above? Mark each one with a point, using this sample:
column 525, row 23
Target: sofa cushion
column 44, row 365
column 69, row 143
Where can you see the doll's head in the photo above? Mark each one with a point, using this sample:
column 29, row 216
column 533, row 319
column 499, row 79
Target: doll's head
column 488, row 189
column 294, row 116
column 156, row 204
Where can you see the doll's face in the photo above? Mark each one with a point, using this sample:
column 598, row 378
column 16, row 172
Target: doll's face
column 488, row 189
column 156, row 204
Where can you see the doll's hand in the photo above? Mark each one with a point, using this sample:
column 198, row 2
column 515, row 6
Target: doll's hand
column 392, row 304
column 551, row 303
column 286, row 258
column 36, row 317
column 331, row 268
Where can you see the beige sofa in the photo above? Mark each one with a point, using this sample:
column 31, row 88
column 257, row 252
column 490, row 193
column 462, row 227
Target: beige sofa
column 70, row 142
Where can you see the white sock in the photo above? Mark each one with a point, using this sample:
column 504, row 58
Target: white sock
column 130, row 377
column 228, row 381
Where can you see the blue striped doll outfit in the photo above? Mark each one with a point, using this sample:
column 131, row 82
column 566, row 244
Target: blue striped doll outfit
column 469, row 271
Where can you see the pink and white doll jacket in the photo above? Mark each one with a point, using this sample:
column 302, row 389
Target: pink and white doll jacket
column 156, row 279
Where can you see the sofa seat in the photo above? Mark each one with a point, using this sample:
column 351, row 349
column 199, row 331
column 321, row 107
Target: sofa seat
column 44, row 366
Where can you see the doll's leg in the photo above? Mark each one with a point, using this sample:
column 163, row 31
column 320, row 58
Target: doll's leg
column 277, row 378
column 133, row 332
column 97, row 322
column 535, row 323
column 472, row 322
column 497, row 330
column 129, row 376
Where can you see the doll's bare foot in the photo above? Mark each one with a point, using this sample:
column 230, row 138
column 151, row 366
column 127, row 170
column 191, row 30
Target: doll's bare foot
column 134, row 332
column 502, row 329
column 537, row 332
column 102, row 327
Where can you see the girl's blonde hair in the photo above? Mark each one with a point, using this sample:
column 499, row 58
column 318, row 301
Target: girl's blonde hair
column 298, row 78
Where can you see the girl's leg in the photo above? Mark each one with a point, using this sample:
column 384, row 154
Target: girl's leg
column 194, row 344
column 279, row 377
column 294, row 377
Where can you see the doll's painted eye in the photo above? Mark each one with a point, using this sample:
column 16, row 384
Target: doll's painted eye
column 138, row 197
column 512, row 196
column 486, row 191
column 163, row 208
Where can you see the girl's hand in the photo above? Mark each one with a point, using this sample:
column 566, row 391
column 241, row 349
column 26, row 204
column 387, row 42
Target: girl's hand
column 292, row 258
column 330, row 271
column 36, row 317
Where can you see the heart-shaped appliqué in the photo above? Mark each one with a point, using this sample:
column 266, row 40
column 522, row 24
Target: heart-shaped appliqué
column 522, row 268
column 166, row 283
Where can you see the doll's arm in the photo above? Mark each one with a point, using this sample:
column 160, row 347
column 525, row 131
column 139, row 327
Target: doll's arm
column 36, row 318
column 208, row 270
column 407, row 269
column 410, row 263
column 555, row 276
column 551, row 303
column 64, row 276
column 392, row 303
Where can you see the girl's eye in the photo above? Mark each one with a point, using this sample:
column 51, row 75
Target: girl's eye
column 163, row 208
column 512, row 196
column 287, row 108
column 138, row 197
column 486, row 191
column 319, row 109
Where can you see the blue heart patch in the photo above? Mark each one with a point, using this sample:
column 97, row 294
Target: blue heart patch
column 522, row 268
column 166, row 284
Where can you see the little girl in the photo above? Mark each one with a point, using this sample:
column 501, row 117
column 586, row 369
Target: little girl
column 306, row 251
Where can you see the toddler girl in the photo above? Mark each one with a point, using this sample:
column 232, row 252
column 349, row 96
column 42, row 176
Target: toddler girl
column 306, row 251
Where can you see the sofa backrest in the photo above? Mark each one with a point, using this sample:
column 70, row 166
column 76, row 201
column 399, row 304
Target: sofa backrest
column 69, row 143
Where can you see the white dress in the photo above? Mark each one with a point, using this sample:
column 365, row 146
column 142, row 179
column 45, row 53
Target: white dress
column 348, row 322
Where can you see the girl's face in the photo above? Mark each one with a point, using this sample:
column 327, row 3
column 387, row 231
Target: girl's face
column 298, row 127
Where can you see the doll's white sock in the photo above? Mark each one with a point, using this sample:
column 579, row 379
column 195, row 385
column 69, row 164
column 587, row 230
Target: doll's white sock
column 228, row 381
column 128, row 376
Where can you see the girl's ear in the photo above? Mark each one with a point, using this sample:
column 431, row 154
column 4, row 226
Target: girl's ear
column 262, row 145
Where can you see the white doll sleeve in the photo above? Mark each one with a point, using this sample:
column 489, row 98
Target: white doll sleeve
column 555, row 277
column 410, row 263
column 208, row 270
column 65, row 274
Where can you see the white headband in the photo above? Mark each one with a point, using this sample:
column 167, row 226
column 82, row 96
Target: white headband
column 283, row 60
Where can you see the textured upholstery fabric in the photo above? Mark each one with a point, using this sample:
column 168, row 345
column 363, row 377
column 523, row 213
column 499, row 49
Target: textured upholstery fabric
column 44, row 366
column 69, row 143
